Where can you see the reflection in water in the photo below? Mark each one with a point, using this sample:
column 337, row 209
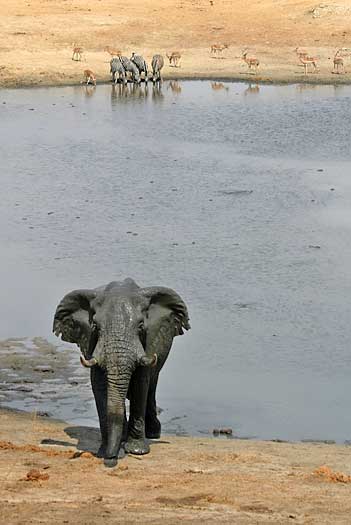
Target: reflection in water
column 175, row 86
column 89, row 90
column 130, row 91
column 139, row 91
column 157, row 94
column 339, row 88
column 218, row 86
column 252, row 89
column 305, row 87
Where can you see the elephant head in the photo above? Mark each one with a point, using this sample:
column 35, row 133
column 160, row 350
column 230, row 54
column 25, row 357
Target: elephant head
column 115, row 327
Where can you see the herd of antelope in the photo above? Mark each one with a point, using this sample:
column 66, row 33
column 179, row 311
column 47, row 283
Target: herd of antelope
column 338, row 61
column 122, row 68
column 308, row 62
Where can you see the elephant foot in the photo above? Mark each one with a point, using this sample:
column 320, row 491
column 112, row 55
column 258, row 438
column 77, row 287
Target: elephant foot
column 153, row 429
column 121, row 452
column 110, row 462
column 101, row 452
column 153, row 435
column 138, row 447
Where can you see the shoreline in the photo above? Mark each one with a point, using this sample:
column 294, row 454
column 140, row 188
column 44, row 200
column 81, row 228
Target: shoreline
column 278, row 78
column 195, row 480
column 287, row 81
column 212, row 436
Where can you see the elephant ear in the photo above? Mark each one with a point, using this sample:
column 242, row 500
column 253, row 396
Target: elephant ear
column 166, row 311
column 72, row 318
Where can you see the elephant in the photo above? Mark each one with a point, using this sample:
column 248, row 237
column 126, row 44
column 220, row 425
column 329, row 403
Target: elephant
column 125, row 333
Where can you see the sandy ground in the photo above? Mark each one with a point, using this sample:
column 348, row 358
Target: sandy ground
column 36, row 37
column 189, row 479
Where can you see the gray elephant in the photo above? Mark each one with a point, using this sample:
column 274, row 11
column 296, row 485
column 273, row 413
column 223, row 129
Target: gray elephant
column 125, row 334
column 157, row 64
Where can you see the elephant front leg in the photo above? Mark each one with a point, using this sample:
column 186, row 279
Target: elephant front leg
column 136, row 442
column 152, row 423
column 98, row 383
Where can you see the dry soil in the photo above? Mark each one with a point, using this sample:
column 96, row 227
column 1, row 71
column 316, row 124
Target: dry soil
column 48, row 474
column 37, row 36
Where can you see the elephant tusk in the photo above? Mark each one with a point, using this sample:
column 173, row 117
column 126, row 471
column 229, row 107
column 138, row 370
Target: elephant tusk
column 88, row 363
column 148, row 361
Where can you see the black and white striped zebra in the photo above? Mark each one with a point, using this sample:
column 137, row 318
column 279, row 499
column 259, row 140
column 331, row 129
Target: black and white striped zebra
column 157, row 64
column 117, row 71
column 141, row 64
column 130, row 67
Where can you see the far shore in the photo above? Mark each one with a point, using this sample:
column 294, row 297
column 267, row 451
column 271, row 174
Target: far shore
column 37, row 40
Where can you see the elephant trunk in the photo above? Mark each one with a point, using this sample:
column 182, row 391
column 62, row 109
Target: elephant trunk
column 121, row 357
column 117, row 388
column 118, row 355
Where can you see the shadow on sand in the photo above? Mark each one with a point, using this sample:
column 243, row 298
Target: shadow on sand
column 88, row 439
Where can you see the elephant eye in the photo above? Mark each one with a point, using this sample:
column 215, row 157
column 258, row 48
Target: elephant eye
column 141, row 327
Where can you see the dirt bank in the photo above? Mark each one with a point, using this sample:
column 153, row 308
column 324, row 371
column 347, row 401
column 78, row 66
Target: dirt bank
column 36, row 37
column 44, row 480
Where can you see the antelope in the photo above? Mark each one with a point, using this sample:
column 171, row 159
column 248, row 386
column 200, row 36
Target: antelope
column 77, row 53
column 338, row 61
column 174, row 58
column 300, row 53
column 306, row 61
column 252, row 62
column 218, row 48
column 89, row 77
column 113, row 52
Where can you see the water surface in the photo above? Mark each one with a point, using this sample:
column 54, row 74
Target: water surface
column 239, row 198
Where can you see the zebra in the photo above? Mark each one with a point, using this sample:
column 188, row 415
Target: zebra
column 117, row 71
column 140, row 63
column 130, row 67
column 157, row 64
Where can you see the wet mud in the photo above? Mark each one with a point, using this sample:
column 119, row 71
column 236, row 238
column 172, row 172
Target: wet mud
column 39, row 377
